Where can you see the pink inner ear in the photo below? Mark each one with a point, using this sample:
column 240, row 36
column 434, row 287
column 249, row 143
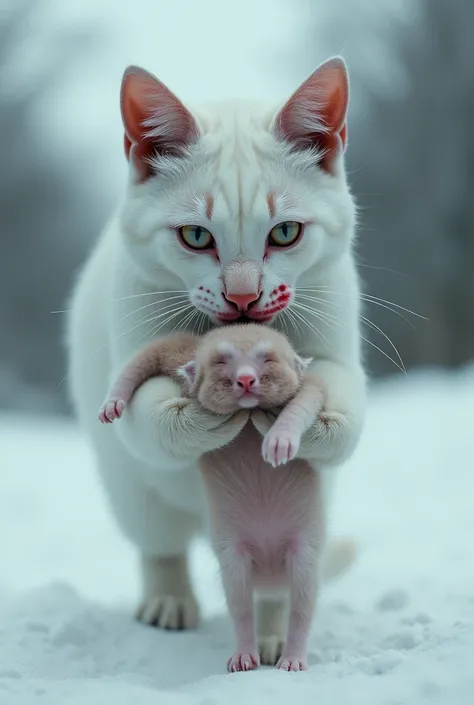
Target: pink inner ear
column 156, row 122
column 188, row 371
column 315, row 115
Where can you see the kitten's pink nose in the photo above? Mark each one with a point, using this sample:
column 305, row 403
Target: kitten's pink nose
column 242, row 301
column 246, row 382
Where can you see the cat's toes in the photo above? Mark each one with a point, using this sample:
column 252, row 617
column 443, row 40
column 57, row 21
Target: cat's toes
column 111, row 410
column 291, row 664
column 243, row 662
column 169, row 612
column 270, row 648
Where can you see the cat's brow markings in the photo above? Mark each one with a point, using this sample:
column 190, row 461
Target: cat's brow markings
column 209, row 205
column 271, row 204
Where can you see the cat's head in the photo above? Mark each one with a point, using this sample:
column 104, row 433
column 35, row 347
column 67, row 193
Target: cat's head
column 237, row 202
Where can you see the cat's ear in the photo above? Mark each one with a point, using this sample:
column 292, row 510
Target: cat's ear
column 315, row 115
column 188, row 372
column 302, row 364
column 156, row 122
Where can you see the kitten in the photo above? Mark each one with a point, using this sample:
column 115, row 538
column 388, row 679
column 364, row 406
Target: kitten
column 232, row 211
column 266, row 529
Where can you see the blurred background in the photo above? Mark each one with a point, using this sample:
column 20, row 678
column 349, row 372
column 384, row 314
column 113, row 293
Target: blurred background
column 410, row 156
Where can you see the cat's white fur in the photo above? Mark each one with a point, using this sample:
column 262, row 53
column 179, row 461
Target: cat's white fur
column 147, row 460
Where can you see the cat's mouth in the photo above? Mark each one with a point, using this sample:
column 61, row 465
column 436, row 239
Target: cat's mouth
column 262, row 318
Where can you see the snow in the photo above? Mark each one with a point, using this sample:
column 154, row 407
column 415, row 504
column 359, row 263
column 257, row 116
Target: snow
column 398, row 628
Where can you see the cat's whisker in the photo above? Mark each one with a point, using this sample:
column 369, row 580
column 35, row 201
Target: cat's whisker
column 323, row 317
column 154, row 316
column 318, row 300
column 185, row 321
column 294, row 322
column 202, row 322
column 153, row 303
column 402, row 369
column 169, row 315
column 370, row 324
column 182, row 292
column 152, row 293
column 311, row 326
column 378, row 301
column 375, row 327
column 370, row 298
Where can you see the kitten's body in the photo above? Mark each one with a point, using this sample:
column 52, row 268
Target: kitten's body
column 267, row 525
column 237, row 179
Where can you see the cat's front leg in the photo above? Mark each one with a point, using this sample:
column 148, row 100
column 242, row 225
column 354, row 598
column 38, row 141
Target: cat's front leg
column 335, row 432
column 168, row 431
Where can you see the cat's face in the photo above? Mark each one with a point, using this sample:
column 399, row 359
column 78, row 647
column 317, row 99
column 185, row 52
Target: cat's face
column 237, row 202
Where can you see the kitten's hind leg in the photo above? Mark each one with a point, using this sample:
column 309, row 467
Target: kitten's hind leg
column 271, row 628
column 303, row 579
column 236, row 569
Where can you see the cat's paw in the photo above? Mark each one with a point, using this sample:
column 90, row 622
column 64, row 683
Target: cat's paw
column 291, row 664
column 243, row 662
column 111, row 410
column 332, row 438
column 169, row 612
column 280, row 444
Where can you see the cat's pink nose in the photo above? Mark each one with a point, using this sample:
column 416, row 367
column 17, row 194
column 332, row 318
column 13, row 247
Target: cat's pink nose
column 246, row 382
column 242, row 301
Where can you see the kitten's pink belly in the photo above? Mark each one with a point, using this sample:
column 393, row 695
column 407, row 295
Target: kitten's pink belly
column 256, row 510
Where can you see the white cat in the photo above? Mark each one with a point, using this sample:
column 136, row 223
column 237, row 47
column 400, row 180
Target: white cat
column 232, row 211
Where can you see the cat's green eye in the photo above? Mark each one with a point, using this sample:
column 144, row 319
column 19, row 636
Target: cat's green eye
column 196, row 237
column 284, row 234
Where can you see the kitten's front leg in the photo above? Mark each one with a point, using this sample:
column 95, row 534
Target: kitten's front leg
column 282, row 441
column 335, row 432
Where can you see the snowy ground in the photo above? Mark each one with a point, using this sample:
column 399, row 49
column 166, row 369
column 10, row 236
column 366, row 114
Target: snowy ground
column 399, row 628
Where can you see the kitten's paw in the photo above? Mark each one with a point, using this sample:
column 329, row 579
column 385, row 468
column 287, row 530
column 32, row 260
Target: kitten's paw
column 280, row 445
column 270, row 648
column 291, row 664
column 243, row 662
column 112, row 409
column 169, row 612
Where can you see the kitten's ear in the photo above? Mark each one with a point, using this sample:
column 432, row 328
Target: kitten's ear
column 188, row 371
column 155, row 120
column 315, row 115
column 302, row 364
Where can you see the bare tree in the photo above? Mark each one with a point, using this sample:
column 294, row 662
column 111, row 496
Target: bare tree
column 411, row 158
column 48, row 212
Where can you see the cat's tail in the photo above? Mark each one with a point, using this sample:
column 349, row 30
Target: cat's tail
column 339, row 555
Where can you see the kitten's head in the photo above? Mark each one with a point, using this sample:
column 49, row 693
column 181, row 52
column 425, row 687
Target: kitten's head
column 244, row 366
column 234, row 204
